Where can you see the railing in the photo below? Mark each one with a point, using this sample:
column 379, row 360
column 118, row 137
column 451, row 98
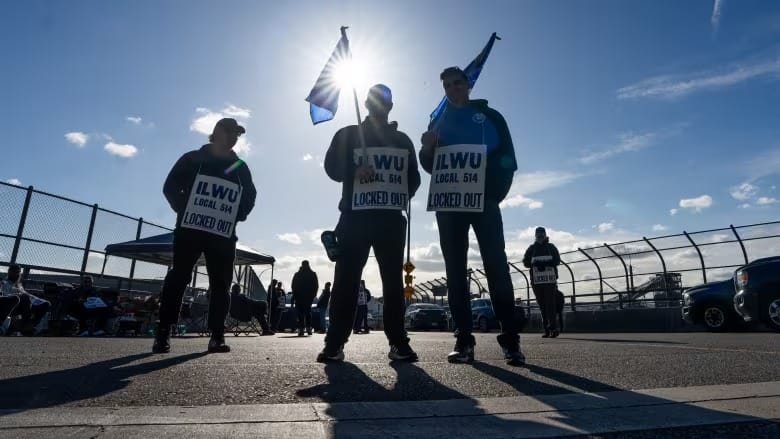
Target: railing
column 47, row 233
column 659, row 267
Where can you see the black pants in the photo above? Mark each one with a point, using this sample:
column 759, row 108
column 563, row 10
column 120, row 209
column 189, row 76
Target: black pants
column 275, row 316
column 357, row 233
column 304, row 314
column 98, row 316
column 30, row 314
column 187, row 248
column 361, row 319
column 454, row 238
column 546, row 297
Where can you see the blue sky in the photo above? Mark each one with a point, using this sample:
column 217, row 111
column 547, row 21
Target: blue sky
column 629, row 118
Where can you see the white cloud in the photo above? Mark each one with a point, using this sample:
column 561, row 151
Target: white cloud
column 717, row 7
column 766, row 200
column 205, row 119
column 677, row 86
column 124, row 151
column 533, row 182
column 15, row 181
column 135, row 120
column 627, row 142
column 743, row 192
column 307, row 157
column 672, row 212
column 744, row 206
column 605, row 227
column 696, row 204
column 292, row 238
column 520, row 200
column 659, row 228
column 77, row 138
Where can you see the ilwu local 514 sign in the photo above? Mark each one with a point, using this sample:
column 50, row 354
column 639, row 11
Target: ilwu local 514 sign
column 388, row 188
column 458, row 179
column 213, row 206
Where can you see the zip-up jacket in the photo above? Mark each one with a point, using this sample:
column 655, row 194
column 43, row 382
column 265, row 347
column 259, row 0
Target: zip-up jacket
column 179, row 183
column 501, row 162
column 340, row 164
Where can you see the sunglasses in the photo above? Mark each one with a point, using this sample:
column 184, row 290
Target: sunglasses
column 454, row 83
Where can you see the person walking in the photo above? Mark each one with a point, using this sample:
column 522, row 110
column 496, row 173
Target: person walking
column 543, row 259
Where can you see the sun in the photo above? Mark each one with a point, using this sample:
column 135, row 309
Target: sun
column 349, row 73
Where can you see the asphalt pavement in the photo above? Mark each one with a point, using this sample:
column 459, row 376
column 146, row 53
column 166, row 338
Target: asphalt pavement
column 75, row 379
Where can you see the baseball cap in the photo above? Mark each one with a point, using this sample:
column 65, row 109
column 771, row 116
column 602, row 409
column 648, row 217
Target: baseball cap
column 381, row 93
column 230, row 125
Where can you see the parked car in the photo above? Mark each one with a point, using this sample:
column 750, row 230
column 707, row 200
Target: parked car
column 711, row 305
column 482, row 315
column 484, row 319
column 425, row 316
column 758, row 292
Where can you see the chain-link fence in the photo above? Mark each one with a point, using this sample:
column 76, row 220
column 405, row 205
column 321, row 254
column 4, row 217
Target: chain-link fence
column 49, row 234
column 648, row 272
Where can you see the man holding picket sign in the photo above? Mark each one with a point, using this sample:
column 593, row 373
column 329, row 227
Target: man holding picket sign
column 377, row 183
column 468, row 151
column 210, row 189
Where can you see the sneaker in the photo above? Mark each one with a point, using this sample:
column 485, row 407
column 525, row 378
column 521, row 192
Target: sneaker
column 309, row 331
column 162, row 341
column 554, row 333
column 463, row 353
column 300, row 333
column 402, row 352
column 546, row 333
column 217, row 344
column 510, row 344
column 330, row 354
column 84, row 334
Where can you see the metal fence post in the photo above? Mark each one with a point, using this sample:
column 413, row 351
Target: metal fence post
column 663, row 264
column 701, row 258
column 741, row 244
column 573, row 287
column 132, row 262
column 22, row 222
column 601, row 278
column 89, row 239
column 527, row 285
column 625, row 269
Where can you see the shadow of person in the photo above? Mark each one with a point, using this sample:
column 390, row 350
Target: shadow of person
column 617, row 340
column 53, row 388
column 359, row 407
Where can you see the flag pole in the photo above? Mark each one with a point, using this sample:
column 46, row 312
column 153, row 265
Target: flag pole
column 361, row 137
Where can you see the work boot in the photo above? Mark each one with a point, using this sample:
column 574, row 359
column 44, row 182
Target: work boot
column 510, row 344
column 331, row 354
column 162, row 340
column 464, row 350
column 217, row 343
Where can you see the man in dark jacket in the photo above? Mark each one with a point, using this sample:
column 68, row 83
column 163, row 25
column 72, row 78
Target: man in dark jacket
column 322, row 306
column 377, row 183
column 304, row 290
column 243, row 308
column 361, row 318
column 472, row 128
column 210, row 190
column 543, row 259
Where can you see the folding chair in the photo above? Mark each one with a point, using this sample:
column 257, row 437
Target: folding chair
column 195, row 317
column 238, row 327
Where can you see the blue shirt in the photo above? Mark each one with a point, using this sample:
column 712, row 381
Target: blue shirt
column 466, row 125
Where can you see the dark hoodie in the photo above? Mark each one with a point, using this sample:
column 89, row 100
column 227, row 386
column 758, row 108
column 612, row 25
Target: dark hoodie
column 179, row 183
column 542, row 249
column 339, row 160
column 305, row 285
column 501, row 162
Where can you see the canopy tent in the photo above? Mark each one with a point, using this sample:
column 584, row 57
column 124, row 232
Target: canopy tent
column 158, row 249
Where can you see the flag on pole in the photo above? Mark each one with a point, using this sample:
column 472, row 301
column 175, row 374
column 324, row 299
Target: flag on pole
column 324, row 96
column 472, row 72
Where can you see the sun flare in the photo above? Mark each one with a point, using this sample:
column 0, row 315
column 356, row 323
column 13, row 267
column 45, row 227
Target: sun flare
column 349, row 74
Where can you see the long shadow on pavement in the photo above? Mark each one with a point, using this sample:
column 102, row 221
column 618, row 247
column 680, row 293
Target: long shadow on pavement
column 615, row 340
column 80, row 383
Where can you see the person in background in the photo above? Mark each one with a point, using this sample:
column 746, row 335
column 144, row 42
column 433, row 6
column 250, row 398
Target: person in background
column 304, row 290
column 244, row 308
column 361, row 317
column 322, row 306
column 543, row 259
column 90, row 307
column 273, row 306
column 15, row 301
